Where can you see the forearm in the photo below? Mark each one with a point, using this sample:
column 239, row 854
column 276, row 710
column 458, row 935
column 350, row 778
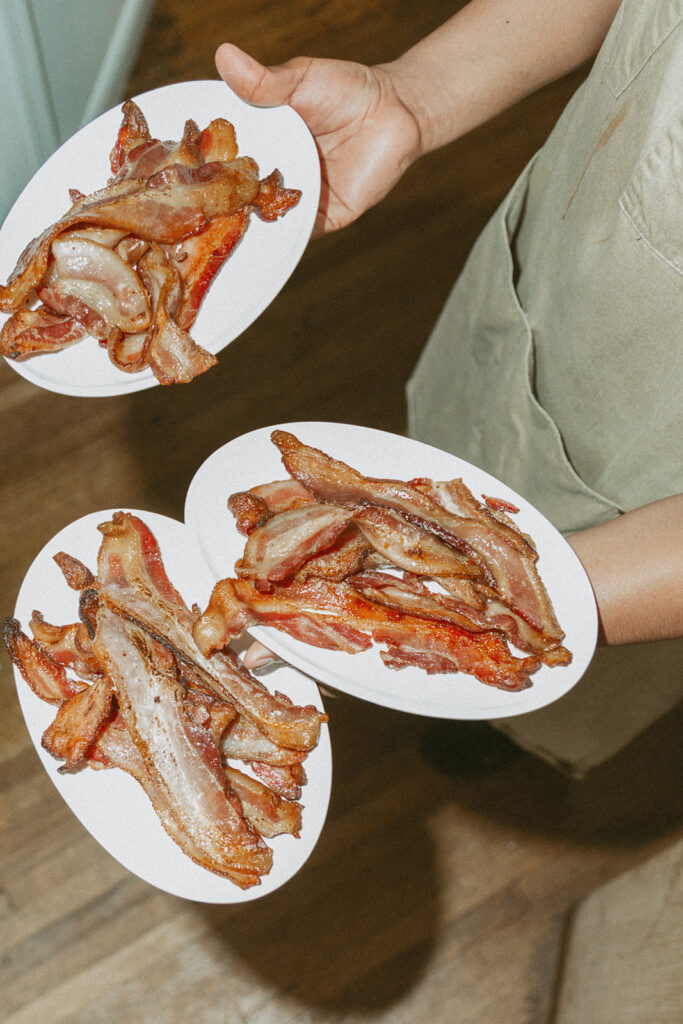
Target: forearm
column 491, row 54
column 635, row 565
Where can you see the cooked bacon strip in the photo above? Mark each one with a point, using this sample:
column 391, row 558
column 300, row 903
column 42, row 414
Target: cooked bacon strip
column 455, row 496
column 172, row 355
column 435, row 645
column 179, row 755
column 245, row 742
column 46, row 677
column 134, row 583
column 268, row 812
column 132, row 133
column 102, row 280
column 275, row 550
column 350, row 553
column 411, row 547
column 285, row 780
column 78, row 722
column 69, row 646
column 256, row 506
column 168, row 207
column 410, row 594
column 507, row 570
column 200, row 257
column 77, row 575
column 31, row 331
column 236, row 604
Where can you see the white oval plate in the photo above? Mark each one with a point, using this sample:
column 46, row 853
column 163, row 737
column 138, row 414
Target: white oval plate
column 253, row 459
column 109, row 803
column 248, row 281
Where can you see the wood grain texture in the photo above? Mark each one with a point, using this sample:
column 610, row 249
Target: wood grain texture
column 441, row 884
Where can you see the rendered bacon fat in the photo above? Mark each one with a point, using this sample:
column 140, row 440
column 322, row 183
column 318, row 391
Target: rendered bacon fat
column 488, row 592
column 191, row 199
column 134, row 692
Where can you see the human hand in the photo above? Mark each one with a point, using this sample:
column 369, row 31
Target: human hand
column 366, row 136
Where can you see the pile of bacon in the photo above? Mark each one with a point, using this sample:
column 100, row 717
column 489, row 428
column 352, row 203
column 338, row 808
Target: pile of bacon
column 133, row 691
column 130, row 263
column 341, row 561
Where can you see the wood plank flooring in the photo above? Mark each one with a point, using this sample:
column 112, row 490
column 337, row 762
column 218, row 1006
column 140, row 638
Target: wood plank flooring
column 441, row 885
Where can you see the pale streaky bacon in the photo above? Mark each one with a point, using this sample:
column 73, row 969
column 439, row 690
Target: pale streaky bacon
column 76, row 574
column 269, row 813
column 409, row 546
column 46, row 678
column 236, row 604
column 32, row 331
column 78, row 722
column 171, row 205
column 172, row 355
column 200, row 257
column 101, row 279
column 243, row 741
column 278, row 548
column 127, row 351
column 511, row 573
column 68, row 645
column 333, row 481
column 153, row 155
column 179, row 756
column 133, row 582
column 285, row 780
column 61, row 301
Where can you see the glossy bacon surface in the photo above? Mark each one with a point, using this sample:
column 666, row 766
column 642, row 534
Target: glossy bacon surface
column 178, row 754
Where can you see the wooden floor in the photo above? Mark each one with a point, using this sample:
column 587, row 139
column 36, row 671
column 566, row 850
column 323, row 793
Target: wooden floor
column 441, row 886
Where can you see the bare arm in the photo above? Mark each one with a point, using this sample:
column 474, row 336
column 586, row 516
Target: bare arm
column 491, row 54
column 635, row 565
column 372, row 123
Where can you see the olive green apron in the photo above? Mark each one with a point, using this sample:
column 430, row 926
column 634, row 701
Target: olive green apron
column 557, row 363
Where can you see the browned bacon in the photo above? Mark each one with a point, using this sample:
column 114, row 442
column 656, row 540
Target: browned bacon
column 200, row 257
column 78, row 722
column 179, row 755
column 46, row 677
column 507, row 566
column 303, row 609
column 275, row 550
column 31, row 331
column 270, row 813
column 70, row 646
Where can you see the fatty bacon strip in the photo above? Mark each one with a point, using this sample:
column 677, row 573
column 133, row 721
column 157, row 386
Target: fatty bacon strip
column 140, row 703
column 335, row 596
column 130, row 263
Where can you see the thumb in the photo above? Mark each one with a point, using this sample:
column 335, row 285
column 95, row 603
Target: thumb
column 254, row 82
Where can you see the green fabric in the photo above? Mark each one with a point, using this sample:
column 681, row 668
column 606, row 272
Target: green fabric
column 557, row 362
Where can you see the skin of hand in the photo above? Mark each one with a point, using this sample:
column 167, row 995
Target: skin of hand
column 365, row 143
column 635, row 565
column 371, row 123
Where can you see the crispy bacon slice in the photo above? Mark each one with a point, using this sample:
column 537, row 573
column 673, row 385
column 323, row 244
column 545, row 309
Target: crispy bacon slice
column 200, row 257
column 275, row 550
column 236, row 604
column 273, row 200
column 285, row 780
column 168, row 207
column 133, row 582
column 269, row 813
column 172, row 355
column 46, row 677
column 437, row 646
column 69, row 646
column 31, row 331
column 179, row 756
column 245, row 742
column 78, row 722
column 508, row 571
column 77, row 575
